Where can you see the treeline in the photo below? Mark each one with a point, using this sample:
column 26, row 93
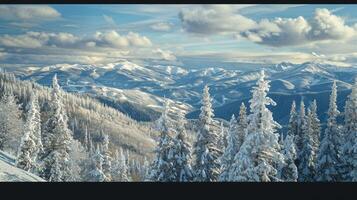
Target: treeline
column 253, row 150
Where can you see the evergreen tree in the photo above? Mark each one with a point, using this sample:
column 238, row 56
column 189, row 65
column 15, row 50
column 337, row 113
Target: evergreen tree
column 207, row 163
column 57, row 139
column 242, row 125
column 161, row 169
column 97, row 174
column 348, row 168
column 315, row 123
column 302, row 120
column 10, row 123
column 328, row 155
column 107, row 159
column 259, row 155
column 231, row 149
column 288, row 171
column 27, row 147
column 181, row 153
column 293, row 126
column 306, row 167
column 120, row 167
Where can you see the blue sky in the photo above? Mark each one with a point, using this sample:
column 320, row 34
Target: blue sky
column 96, row 34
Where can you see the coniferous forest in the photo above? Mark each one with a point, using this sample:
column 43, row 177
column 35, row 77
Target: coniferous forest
column 60, row 136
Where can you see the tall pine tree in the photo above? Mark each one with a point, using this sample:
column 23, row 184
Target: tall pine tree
column 57, row 139
column 259, row 156
column 181, row 153
column 348, row 168
column 306, row 165
column 161, row 169
column 328, row 155
column 207, row 163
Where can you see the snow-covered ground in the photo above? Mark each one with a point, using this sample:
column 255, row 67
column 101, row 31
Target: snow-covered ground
column 10, row 173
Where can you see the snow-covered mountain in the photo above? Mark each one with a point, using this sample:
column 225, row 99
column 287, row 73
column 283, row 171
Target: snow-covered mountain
column 10, row 173
column 139, row 90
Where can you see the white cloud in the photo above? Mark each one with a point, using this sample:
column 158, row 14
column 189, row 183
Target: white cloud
column 224, row 19
column 161, row 26
column 38, row 39
column 165, row 55
column 110, row 39
column 324, row 26
column 115, row 40
column 28, row 12
column 214, row 19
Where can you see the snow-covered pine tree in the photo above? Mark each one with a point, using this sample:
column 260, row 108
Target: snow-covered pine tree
column 316, row 129
column 207, row 163
column 161, row 169
column 34, row 120
column 302, row 120
column 259, row 155
column 328, row 154
column 107, row 158
column 97, row 174
column 180, row 153
column 27, row 147
column 31, row 144
column 79, row 160
column 57, row 139
column 306, row 167
column 288, row 171
column 348, row 168
column 242, row 125
column 10, row 123
column 293, row 126
column 231, row 149
column 120, row 167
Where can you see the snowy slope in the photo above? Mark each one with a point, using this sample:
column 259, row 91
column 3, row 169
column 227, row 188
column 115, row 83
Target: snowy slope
column 10, row 173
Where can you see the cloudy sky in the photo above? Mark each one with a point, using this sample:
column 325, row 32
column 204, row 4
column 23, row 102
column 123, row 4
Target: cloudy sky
column 177, row 34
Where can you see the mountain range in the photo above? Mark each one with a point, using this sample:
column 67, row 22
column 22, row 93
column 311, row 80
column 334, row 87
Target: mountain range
column 140, row 90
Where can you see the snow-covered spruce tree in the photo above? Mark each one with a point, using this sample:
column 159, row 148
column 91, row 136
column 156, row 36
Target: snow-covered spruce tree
column 120, row 167
column 207, row 163
column 161, row 169
column 242, row 125
column 288, row 171
column 259, row 155
column 316, row 129
column 306, row 167
column 79, row 160
column 27, row 147
column 57, row 139
column 10, row 123
column 180, row 153
column 107, row 158
column 97, row 174
column 235, row 139
column 328, row 154
column 348, row 168
column 231, row 149
column 34, row 120
column 293, row 126
column 301, row 120
column 31, row 144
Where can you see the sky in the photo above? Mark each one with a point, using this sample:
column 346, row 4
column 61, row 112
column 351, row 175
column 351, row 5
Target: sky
column 39, row 35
